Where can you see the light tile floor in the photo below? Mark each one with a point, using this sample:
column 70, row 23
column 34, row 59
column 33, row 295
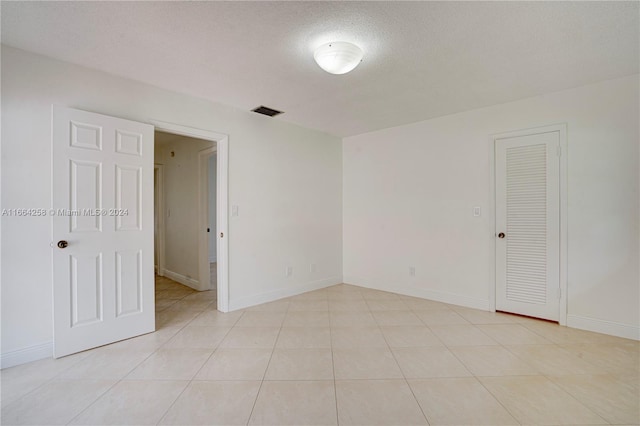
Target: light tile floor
column 342, row 355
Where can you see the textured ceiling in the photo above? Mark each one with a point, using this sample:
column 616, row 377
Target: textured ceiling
column 422, row 59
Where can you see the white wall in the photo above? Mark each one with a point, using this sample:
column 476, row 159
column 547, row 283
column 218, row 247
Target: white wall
column 181, row 210
column 408, row 195
column 212, row 207
column 287, row 181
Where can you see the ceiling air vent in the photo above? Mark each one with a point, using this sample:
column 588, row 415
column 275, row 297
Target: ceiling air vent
column 266, row 111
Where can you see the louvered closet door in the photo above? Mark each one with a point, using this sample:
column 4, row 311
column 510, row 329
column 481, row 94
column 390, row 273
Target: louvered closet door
column 527, row 225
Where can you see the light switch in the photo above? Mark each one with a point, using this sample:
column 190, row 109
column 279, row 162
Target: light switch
column 477, row 212
column 234, row 210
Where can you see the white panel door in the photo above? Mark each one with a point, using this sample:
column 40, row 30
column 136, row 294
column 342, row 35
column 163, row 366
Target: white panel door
column 102, row 205
column 528, row 224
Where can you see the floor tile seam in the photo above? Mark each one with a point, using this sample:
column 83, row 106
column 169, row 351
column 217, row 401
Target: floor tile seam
column 461, row 363
column 5, row 408
column 185, row 324
column 486, row 334
column 550, row 381
column 267, row 380
column 174, row 401
column 164, row 379
column 513, row 416
column 333, row 369
column 426, row 324
column 288, row 311
column 305, row 326
column 415, row 312
column 179, row 327
column 166, row 307
column 415, row 398
column 527, row 324
column 489, row 376
column 47, row 381
column 197, row 380
column 451, row 348
column 437, row 337
column 215, row 350
column 590, row 363
column 124, row 377
column 234, row 322
column 89, row 405
column 522, row 359
column 255, row 401
column 531, row 327
column 58, row 377
column 572, row 396
column 550, row 342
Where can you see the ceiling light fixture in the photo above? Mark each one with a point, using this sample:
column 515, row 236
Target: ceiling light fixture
column 338, row 57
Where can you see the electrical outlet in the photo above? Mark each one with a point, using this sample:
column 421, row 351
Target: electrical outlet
column 412, row 271
column 288, row 271
column 312, row 267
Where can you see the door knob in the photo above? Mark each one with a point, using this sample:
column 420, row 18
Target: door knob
column 62, row 244
column 501, row 235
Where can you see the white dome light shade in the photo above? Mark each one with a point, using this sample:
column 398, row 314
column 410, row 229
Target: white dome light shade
column 338, row 57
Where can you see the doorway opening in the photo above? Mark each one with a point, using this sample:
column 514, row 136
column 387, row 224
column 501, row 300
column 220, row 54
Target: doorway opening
column 190, row 210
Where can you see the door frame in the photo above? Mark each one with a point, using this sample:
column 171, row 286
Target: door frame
column 159, row 193
column 203, row 216
column 222, row 198
column 561, row 128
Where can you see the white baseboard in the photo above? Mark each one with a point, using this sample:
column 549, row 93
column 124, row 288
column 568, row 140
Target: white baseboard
column 407, row 290
column 182, row 279
column 22, row 356
column 245, row 302
column 603, row 326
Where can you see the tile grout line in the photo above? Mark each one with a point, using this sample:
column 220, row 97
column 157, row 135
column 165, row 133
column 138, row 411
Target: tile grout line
column 199, row 369
column 93, row 402
column 404, row 376
column 275, row 342
column 46, row 382
column 498, row 400
column 333, row 365
column 547, row 377
column 121, row 379
column 477, row 379
column 191, row 380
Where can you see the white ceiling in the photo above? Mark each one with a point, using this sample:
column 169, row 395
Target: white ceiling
column 422, row 59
